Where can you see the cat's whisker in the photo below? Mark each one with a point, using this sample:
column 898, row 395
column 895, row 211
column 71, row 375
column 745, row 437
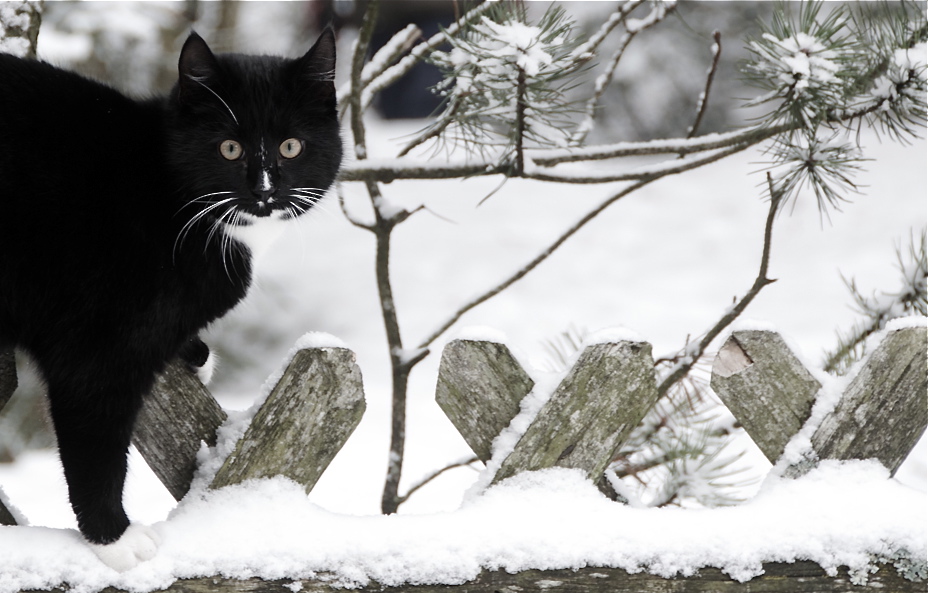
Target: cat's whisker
column 215, row 94
column 199, row 199
column 310, row 202
column 185, row 230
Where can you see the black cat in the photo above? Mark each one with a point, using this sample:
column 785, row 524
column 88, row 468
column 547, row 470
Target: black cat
column 127, row 226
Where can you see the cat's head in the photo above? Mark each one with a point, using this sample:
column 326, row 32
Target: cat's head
column 253, row 138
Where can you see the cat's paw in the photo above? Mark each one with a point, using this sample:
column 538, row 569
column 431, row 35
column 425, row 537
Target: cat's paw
column 138, row 544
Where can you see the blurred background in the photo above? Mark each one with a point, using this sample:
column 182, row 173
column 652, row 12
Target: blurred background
column 666, row 264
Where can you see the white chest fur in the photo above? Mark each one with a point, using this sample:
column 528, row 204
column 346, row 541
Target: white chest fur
column 259, row 234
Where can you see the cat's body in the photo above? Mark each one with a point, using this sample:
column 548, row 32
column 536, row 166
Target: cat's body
column 122, row 225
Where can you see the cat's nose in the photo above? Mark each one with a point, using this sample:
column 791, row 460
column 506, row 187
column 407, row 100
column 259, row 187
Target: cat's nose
column 264, row 187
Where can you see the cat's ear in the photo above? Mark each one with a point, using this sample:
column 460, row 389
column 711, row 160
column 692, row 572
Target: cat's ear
column 197, row 64
column 318, row 64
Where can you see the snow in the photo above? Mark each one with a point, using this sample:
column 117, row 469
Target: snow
column 480, row 333
column 14, row 19
column 546, row 519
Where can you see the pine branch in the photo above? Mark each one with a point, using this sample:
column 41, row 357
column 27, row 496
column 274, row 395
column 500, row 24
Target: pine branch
column 910, row 298
column 390, row 75
column 658, row 13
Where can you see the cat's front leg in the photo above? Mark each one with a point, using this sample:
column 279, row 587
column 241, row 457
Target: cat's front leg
column 199, row 358
column 93, row 425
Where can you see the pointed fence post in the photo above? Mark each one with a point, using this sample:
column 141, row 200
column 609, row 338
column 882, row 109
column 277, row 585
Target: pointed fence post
column 881, row 414
column 884, row 409
column 590, row 414
column 480, row 386
column 176, row 418
column 303, row 423
column 584, row 422
column 765, row 387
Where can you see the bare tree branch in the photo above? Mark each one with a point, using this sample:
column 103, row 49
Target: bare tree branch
column 592, row 44
column 434, row 475
column 386, row 55
column 695, row 353
column 658, row 13
column 390, row 75
column 704, row 97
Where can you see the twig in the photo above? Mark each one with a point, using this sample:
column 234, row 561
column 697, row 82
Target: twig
column 694, row 354
column 390, row 75
column 434, row 475
column 592, row 44
column 387, row 171
column 532, row 264
column 658, row 13
column 433, row 131
column 669, row 167
column 357, row 66
column 519, row 169
column 580, row 224
column 704, row 97
column 386, row 55
column 348, row 215
column 750, row 135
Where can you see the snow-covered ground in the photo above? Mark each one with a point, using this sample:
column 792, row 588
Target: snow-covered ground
column 545, row 520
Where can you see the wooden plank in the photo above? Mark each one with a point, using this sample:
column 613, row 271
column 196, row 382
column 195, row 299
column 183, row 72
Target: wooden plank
column 590, row 414
column 796, row 577
column 304, row 422
column 8, row 382
column 884, row 409
column 766, row 388
column 177, row 416
column 480, row 386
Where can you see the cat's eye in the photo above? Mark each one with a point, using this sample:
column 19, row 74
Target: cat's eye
column 231, row 150
column 291, row 148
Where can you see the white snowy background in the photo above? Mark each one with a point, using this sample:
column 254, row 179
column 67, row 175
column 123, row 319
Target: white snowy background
column 664, row 262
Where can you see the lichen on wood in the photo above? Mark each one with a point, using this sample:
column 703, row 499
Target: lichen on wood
column 177, row 416
column 884, row 409
column 590, row 414
column 303, row 423
column 766, row 388
column 480, row 385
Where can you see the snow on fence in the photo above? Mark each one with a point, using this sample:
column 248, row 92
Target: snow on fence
column 580, row 423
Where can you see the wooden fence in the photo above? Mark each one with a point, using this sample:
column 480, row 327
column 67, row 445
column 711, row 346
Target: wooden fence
column 318, row 401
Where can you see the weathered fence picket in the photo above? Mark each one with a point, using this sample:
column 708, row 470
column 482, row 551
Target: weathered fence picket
column 480, row 386
column 177, row 417
column 779, row 391
column 590, row 414
column 318, row 401
column 303, row 423
column 584, row 422
column 881, row 415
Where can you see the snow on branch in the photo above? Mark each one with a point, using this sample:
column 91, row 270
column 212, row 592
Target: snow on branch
column 387, row 76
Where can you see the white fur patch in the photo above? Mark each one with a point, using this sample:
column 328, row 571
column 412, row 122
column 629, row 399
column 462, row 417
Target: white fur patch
column 205, row 372
column 260, row 234
column 138, row 544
